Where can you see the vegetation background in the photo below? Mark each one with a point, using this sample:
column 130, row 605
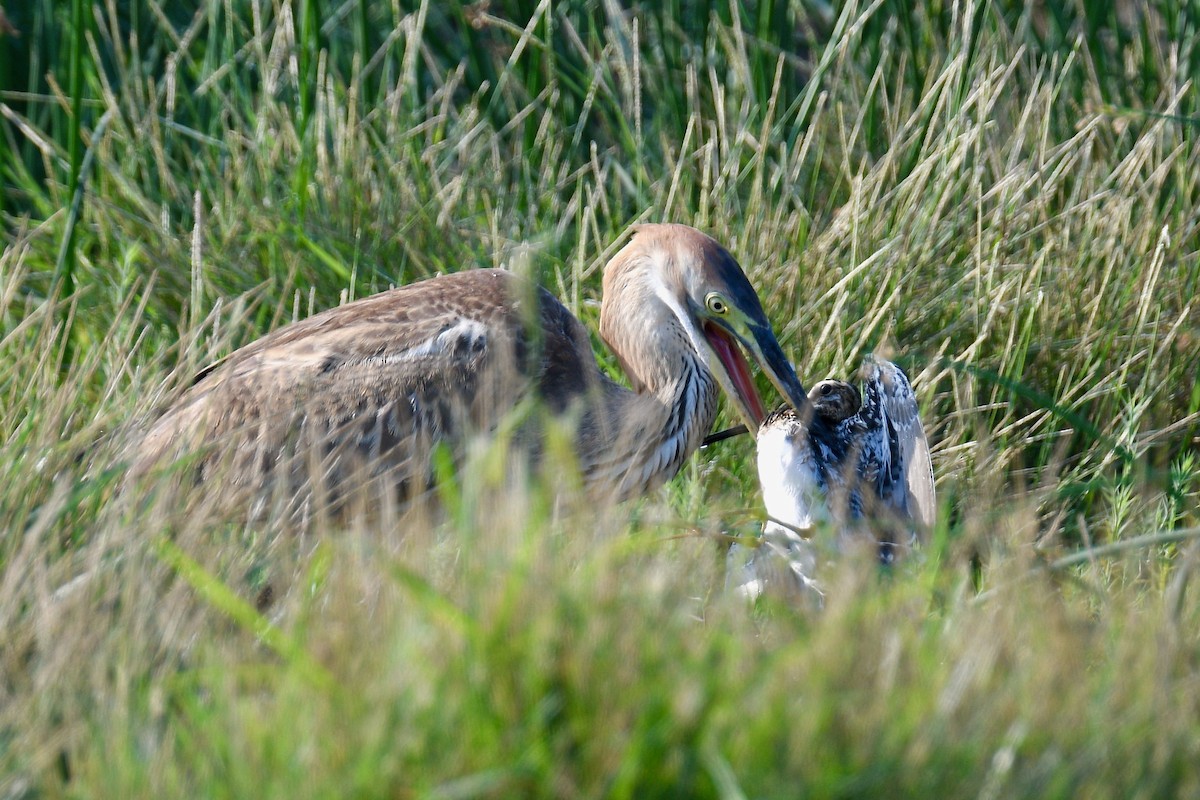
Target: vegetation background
column 1003, row 193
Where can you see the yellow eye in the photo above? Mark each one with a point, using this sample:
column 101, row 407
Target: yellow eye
column 716, row 304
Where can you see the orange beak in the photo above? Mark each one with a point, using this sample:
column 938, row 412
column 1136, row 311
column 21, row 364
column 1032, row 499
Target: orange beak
column 739, row 372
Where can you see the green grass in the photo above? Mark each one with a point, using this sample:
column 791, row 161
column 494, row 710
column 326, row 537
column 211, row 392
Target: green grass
column 1005, row 198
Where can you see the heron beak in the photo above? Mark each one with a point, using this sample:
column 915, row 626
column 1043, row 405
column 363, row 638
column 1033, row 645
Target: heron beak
column 734, row 376
column 772, row 360
column 763, row 346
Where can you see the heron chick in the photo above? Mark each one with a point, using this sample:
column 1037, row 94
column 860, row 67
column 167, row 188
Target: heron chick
column 863, row 464
column 856, row 463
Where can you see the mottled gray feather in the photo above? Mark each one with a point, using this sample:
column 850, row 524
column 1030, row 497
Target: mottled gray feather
column 855, row 457
column 894, row 447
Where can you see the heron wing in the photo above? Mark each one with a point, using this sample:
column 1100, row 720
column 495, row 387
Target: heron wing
column 382, row 375
column 895, row 452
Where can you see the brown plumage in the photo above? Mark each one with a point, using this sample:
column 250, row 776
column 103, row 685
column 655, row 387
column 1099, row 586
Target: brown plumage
column 835, row 400
column 365, row 390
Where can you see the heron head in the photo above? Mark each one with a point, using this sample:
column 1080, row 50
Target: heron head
column 834, row 400
column 708, row 292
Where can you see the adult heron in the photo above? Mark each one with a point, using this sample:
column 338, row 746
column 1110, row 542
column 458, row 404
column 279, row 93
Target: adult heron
column 368, row 388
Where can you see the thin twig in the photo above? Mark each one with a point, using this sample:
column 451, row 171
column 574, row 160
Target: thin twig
column 1091, row 553
column 720, row 436
column 1148, row 540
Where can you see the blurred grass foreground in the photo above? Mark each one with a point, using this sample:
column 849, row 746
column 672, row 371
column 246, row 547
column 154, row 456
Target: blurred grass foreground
column 1002, row 194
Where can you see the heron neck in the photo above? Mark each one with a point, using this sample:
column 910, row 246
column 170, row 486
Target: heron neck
column 647, row 433
column 654, row 430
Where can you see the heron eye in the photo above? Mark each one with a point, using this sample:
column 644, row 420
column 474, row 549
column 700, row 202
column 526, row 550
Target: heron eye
column 716, row 304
